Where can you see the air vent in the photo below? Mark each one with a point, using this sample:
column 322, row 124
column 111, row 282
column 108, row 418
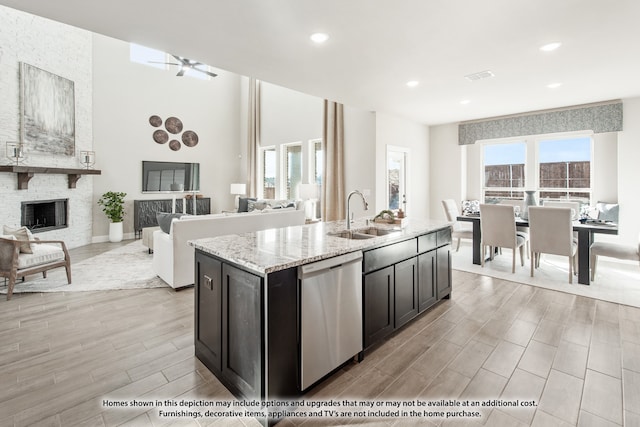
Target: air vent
column 479, row 76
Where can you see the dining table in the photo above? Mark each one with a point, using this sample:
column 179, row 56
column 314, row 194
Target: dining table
column 586, row 232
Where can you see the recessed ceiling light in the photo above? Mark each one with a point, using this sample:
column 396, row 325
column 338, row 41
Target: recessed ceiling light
column 465, row 102
column 319, row 37
column 550, row 46
column 413, row 83
column 554, row 85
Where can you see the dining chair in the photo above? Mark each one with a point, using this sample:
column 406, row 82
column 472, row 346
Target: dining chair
column 613, row 250
column 519, row 207
column 574, row 206
column 498, row 229
column 459, row 230
column 552, row 233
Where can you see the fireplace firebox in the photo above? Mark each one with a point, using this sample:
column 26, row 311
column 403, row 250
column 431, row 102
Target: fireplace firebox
column 45, row 215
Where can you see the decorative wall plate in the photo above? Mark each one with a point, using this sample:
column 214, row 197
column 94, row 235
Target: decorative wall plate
column 155, row 121
column 175, row 145
column 190, row 138
column 160, row 136
column 173, row 125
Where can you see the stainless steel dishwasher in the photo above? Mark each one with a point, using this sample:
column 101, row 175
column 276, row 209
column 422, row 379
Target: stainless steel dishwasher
column 331, row 314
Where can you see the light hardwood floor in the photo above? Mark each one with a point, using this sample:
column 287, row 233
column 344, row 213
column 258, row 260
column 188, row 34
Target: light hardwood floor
column 62, row 354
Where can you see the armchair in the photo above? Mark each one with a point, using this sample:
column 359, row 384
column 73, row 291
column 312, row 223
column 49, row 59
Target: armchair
column 47, row 255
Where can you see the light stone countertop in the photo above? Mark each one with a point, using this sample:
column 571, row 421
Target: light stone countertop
column 264, row 252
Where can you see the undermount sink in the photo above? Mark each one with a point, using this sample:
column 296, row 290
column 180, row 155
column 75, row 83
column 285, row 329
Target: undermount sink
column 351, row 234
column 375, row 231
column 364, row 233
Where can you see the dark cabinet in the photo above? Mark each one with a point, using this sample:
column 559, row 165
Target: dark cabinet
column 405, row 291
column 378, row 305
column 426, row 280
column 241, row 330
column 404, row 279
column 443, row 275
column 208, row 302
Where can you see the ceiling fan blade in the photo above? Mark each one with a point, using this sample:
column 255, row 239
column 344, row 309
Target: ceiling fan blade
column 160, row 62
column 181, row 72
column 208, row 72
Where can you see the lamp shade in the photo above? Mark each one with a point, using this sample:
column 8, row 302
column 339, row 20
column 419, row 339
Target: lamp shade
column 307, row 191
column 238, row 188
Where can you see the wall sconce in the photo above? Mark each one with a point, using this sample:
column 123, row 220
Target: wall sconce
column 238, row 190
column 15, row 152
column 87, row 158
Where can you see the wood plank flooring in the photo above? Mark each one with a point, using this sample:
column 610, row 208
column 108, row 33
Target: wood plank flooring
column 61, row 355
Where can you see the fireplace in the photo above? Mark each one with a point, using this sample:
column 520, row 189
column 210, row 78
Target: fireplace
column 45, row 215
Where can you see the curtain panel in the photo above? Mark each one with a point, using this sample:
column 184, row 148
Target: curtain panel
column 600, row 118
column 253, row 137
column 333, row 190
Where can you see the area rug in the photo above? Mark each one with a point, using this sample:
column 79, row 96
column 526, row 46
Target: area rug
column 125, row 267
column 617, row 282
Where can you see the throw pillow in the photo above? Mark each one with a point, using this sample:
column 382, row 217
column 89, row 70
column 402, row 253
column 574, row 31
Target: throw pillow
column 21, row 233
column 165, row 219
column 608, row 211
column 243, row 203
column 256, row 205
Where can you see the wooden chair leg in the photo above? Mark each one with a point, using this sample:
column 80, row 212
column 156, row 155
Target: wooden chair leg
column 68, row 268
column 594, row 261
column 12, row 283
column 458, row 245
column 522, row 256
column 513, row 261
column 44, row 274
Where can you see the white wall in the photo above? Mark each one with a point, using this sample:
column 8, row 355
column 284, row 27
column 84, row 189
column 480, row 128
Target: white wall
column 629, row 172
column 126, row 94
column 360, row 157
column 65, row 51
column 414, row 136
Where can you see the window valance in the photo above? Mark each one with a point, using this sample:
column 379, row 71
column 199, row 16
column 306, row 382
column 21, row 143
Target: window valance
column 601, row 117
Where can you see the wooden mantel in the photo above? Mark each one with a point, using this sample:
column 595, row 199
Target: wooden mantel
column 25, row 173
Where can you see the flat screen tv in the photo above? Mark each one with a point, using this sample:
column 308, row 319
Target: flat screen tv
column 163, row 177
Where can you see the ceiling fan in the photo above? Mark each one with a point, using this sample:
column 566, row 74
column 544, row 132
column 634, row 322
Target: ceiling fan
column 186, row 64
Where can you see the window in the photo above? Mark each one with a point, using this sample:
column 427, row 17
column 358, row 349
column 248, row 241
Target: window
column 504, row 168
column 397, row 178
column 316, row 161
column 268, row 160
column 292, row 169
column 564, row 169
column 147, row 56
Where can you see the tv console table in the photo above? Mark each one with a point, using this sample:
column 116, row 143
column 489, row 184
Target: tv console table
column 144, row 211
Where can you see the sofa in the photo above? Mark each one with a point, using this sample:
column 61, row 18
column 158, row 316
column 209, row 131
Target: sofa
column 173, row 258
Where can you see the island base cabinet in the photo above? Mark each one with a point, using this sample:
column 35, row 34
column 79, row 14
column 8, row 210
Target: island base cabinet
column 427, row 280
column 378, row 305
column 405, row 291
column 443, row 276
column 208, row 309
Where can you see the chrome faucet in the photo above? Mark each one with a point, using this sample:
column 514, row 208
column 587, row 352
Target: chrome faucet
column 364, row 203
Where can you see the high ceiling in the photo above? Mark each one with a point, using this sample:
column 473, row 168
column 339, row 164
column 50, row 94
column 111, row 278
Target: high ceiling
column 377, row 46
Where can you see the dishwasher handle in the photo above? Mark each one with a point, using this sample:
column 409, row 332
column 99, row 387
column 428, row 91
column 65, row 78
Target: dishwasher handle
column 329, row 263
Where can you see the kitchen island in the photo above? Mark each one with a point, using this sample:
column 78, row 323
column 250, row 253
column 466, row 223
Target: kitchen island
column 248, row 309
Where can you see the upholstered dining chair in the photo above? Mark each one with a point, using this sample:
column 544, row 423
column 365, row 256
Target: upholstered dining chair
column 613, row 250
column 552, row 233
column 522, row 230
column 459, row 230
column 46, row 255
column 574, row 206
column 498, row 227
